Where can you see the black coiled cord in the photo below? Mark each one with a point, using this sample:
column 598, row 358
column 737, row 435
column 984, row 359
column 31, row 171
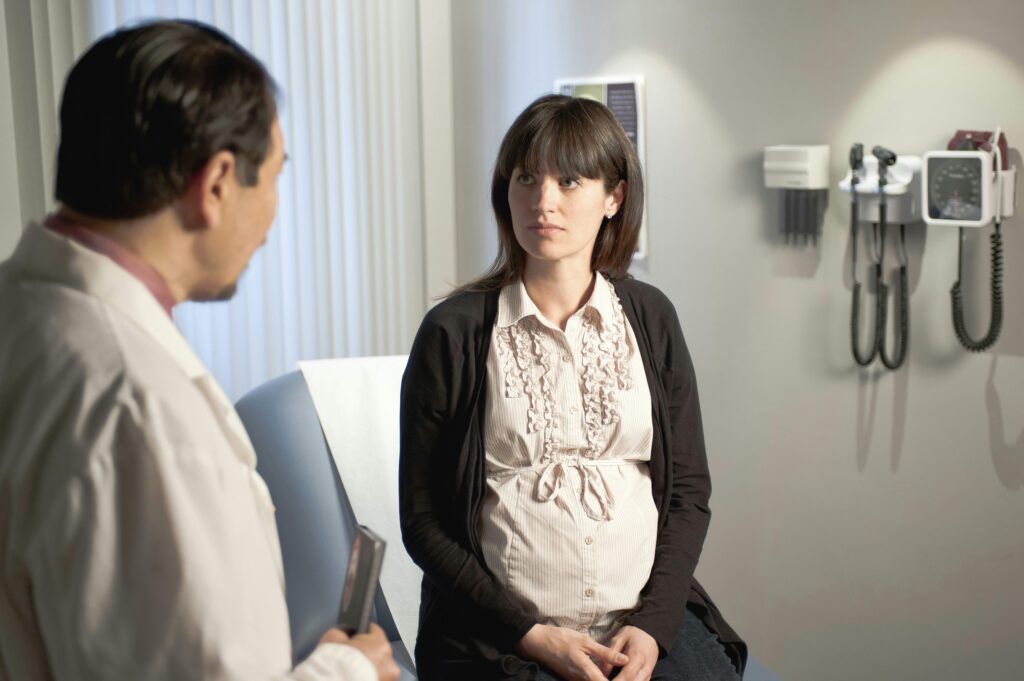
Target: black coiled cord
column 903, row 333
column 858, row 356
column 956, row 296
column 902, row 341
column 877, row 341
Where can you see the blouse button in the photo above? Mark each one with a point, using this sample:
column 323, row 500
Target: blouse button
column 589, row 593
column 588, row 540
column 566, row 358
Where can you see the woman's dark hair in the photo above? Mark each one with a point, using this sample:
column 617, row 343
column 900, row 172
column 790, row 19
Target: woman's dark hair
column 146, row 107
column 580, row 138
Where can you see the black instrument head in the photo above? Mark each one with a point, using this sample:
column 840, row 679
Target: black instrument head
column 885, row 156
column 857, row 156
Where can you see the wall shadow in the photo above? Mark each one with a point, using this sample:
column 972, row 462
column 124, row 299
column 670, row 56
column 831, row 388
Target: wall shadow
column 901, row 390
column 1007, row 456
column 867, row 408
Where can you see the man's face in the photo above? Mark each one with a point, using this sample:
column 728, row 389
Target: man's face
column 247, row 220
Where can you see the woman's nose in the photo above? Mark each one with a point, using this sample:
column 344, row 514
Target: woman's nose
column 547, row 195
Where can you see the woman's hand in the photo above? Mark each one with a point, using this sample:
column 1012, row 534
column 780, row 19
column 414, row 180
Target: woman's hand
column 567, row 652
column 641, row 649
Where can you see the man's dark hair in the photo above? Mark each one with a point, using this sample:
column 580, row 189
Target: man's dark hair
column 146, row 107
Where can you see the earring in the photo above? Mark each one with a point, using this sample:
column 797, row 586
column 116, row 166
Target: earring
column 610, row 215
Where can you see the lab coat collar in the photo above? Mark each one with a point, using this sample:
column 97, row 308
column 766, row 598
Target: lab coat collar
column 103, row 245
column 45, row 255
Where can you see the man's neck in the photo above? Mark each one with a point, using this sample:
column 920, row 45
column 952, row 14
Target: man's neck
column 153, row 239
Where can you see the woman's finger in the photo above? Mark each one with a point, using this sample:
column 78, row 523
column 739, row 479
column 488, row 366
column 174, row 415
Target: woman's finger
column 638, row 671
column 588, row 671
column 615, row 645
column 604, row 654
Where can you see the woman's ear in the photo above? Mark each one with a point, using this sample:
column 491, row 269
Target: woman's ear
column 208, row 196
column 617, row 196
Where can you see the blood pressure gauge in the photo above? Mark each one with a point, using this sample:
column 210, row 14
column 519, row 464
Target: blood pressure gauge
column 957, row 188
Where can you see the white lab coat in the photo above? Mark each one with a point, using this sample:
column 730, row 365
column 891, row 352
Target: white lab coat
column 137, row 540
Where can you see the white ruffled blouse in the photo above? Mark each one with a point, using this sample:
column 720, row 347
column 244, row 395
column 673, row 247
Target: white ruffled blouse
column 569, row 523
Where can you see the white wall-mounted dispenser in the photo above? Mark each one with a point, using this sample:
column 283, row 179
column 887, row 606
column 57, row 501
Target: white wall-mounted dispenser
column 801, row 171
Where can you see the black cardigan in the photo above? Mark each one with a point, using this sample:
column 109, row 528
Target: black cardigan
column 469, row 624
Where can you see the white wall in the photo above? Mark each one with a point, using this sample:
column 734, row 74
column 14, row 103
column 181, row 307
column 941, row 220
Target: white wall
column 437, row 141
column 867, row 524
column 10, row 204
column 39, row 46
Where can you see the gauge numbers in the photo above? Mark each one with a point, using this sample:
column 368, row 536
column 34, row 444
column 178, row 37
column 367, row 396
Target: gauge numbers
column 955, row 188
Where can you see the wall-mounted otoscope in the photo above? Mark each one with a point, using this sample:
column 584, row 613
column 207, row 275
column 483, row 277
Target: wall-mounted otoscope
column 887, row 158
column 882, row 190
column 862, row 358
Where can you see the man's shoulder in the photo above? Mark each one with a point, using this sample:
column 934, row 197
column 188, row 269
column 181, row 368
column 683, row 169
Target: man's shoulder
column 71, row 355
column 61, row 333
column 81, row 383
column 63, row 387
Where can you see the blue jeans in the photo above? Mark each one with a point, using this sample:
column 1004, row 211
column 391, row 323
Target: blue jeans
column 696, row 656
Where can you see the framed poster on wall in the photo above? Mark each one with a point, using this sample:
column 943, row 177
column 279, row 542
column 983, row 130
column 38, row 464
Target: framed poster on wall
column 625, row 97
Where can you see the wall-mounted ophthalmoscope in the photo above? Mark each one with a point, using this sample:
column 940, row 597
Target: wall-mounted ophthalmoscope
column 883, row 190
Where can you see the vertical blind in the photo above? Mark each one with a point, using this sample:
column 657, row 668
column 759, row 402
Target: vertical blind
column 341, row 273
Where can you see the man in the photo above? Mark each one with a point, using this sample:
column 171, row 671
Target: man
column 136, row 539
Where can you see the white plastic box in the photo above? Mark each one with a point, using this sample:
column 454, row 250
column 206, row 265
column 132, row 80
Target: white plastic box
column 788, row 166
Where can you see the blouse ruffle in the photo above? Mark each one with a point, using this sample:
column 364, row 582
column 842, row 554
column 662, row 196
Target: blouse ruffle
column 527, row 362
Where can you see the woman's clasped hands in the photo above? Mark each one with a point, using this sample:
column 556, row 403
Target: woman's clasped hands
column 641, row 649
column 575, row 656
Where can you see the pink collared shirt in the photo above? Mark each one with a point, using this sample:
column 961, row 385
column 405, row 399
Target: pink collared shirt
column 132, row 263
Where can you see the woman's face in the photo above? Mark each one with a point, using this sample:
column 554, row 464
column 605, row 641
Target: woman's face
column 556, row 218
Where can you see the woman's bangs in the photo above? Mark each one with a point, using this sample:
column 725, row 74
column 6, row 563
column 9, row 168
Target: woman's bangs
column 562, row 146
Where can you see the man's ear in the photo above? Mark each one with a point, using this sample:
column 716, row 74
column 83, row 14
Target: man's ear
column 210, row 192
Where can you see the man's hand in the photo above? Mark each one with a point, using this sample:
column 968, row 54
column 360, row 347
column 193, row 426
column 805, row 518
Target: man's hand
column 642, row 650
column 567, row 652
column 374, row 645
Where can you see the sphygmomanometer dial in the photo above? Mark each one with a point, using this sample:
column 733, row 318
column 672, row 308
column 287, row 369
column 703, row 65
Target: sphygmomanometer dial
column 954, row 188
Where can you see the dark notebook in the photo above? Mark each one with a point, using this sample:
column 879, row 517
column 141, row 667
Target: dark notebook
column 364, row 565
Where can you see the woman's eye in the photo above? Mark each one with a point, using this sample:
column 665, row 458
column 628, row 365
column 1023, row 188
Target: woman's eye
column 569, row 182
column 524, row 178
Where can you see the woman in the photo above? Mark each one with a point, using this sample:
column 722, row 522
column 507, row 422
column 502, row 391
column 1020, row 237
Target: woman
column 553, row 478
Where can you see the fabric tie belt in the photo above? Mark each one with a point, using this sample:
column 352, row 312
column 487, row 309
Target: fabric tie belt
column 595, row 495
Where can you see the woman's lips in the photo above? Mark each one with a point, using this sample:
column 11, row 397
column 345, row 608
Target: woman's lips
column 545, row 229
